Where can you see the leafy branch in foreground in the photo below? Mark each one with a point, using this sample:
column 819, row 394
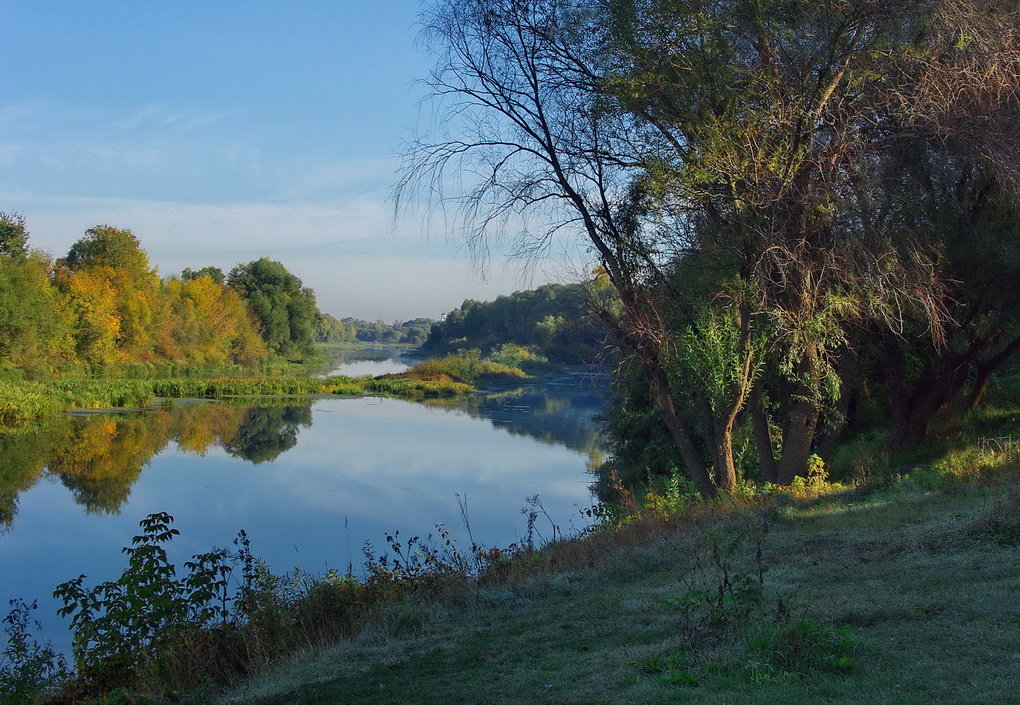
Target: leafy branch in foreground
column 27, row 668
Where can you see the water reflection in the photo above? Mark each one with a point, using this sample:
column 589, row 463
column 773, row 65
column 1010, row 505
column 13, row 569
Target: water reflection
column 98, row 457
column 357, row 362
column 559, row 411
column 310, row 482
column 266, row 432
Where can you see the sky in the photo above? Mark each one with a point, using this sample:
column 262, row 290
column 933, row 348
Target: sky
column 222, row 131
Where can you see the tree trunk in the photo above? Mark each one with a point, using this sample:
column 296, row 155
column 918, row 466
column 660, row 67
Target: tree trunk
column 798, row 436
column 763, row 437
column 985, row 371
column 696, row 469
column 725, row 470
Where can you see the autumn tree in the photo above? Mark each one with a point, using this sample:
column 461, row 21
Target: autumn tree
column 211, row 325
column 120, row 313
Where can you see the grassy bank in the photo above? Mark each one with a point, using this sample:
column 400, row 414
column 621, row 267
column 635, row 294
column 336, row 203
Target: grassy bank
column 448, row 376
column 454, row 374
column 894, row 596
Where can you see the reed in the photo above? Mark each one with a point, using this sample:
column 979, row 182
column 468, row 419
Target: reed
column 21, row 400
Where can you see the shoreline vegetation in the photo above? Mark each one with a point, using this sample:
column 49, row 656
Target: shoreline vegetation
column 809, row 593
column 22, row 400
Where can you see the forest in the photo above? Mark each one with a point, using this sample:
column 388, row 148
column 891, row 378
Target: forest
column 554, row 319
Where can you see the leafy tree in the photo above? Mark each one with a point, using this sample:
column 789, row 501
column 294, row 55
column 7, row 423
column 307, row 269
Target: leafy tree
column 121, row 315
column 329, row 329
column 713, row 155
column 107, row 246
column 13, row 235
column 553, row 318
column 284, row 308
column 211, row 324
column 411, row 332
column 34, row 323
column 214, row 273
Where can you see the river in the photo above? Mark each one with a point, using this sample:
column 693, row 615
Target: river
column 310, row 481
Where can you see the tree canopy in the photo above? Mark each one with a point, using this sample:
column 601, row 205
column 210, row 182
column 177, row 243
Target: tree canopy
column 284, row 308
column 104, row 306
column 732, row 165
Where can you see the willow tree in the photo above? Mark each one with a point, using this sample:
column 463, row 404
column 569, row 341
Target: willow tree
column 540, row 140
column 713, row 154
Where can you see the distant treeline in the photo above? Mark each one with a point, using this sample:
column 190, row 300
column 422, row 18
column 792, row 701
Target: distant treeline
column 336, row 330
column 103, row 306
column 554, row 319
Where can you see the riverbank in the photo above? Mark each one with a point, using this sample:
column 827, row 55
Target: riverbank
column 24, row 400
column 455, row 374
column 893, row 595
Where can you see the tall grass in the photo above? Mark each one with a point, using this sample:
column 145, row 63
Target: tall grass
column 22, row 400
column 468, row 366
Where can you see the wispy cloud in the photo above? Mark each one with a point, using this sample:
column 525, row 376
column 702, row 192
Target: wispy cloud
column 161, row 115
column 176, row 229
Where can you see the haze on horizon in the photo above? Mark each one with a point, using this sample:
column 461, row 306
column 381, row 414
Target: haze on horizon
column 223, row 132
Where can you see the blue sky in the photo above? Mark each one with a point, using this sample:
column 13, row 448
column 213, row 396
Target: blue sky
column 220, row 131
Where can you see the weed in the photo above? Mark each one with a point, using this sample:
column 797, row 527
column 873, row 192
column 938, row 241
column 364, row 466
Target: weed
column 119, row 625
column 469, row 366
column 804, row 644
column 27, row 668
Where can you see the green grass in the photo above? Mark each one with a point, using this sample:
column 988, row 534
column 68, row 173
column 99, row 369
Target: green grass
column 901, row 596
column 23, row 400
column 470, row 367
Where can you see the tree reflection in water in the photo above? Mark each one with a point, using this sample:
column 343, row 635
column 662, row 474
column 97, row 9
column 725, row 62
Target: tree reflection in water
column 266, row 432
column 98, row 457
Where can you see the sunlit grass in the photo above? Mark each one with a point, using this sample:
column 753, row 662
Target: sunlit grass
column 23, row 400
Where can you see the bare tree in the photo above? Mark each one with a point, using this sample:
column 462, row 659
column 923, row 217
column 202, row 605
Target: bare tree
column 535, row 133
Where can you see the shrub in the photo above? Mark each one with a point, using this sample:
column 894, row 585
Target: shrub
column 27, row 668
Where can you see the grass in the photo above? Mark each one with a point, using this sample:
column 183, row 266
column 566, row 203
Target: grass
column 901, row 595
column 470, row 367
column 23, row 400
column 896, row 588
column 456, row 374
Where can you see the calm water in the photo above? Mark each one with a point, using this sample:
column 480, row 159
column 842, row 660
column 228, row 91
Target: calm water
column 310, row 482
column 356, row 362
